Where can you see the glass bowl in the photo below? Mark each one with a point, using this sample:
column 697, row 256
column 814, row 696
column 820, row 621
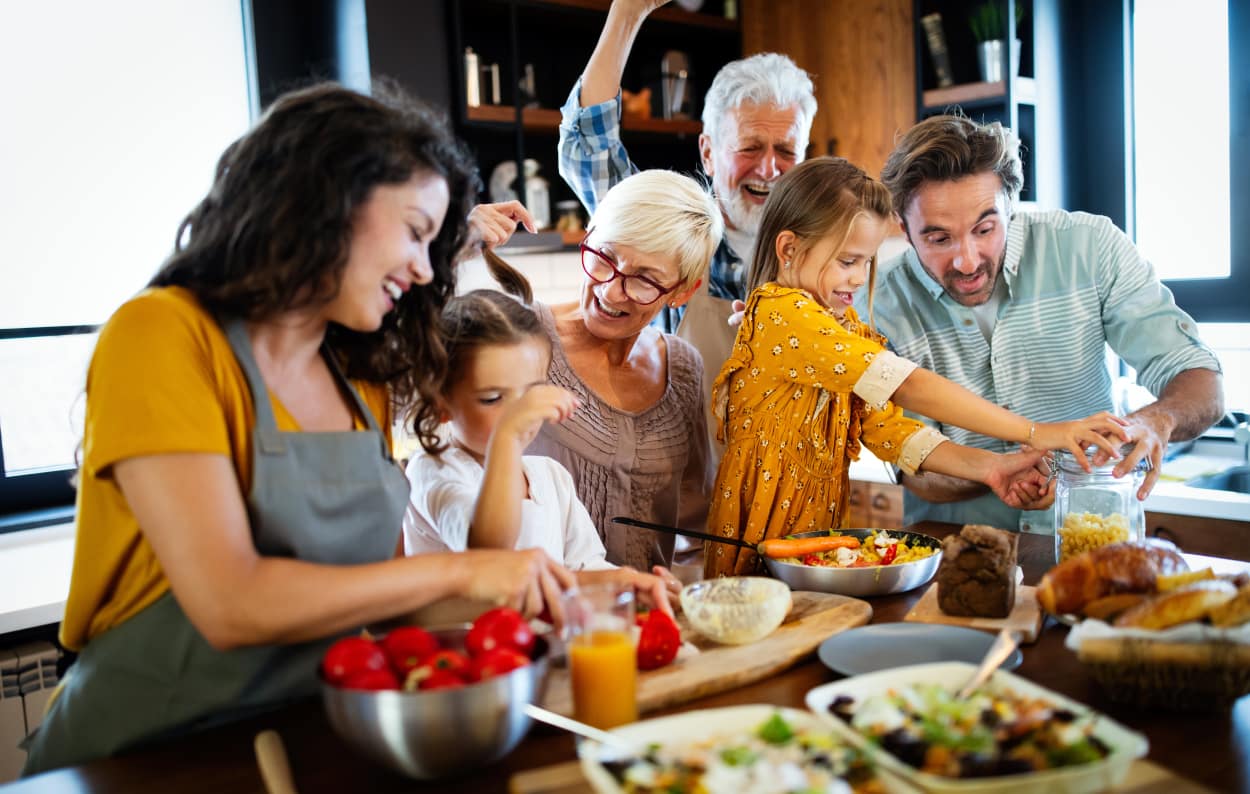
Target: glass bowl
column 736, row 610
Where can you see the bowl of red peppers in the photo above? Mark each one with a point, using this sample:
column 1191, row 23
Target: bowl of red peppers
column 433, row 703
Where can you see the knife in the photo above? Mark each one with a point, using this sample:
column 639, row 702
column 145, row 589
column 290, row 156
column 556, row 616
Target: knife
column 690, row 533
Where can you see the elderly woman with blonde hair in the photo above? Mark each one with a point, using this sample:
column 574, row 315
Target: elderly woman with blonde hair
column 638, row 444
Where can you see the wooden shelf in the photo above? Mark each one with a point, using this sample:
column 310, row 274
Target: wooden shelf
column 938, row 98
column 667, row 14
column 531, row 118
column 548, row 120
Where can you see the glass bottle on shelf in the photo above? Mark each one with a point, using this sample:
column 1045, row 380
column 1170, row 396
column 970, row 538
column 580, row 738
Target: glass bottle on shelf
column 1095, row 508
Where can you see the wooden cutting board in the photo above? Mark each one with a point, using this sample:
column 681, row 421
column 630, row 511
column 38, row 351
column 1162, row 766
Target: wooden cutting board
column 1025, row 617
column 1144, row 777
column 813, row 618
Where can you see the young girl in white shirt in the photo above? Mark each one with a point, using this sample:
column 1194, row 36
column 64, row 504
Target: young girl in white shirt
column 480, row 490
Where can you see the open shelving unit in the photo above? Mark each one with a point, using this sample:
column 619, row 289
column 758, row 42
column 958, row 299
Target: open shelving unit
column 555, row 38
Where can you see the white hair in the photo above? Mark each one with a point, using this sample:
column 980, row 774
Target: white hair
column 662, row 212
column 768, row 78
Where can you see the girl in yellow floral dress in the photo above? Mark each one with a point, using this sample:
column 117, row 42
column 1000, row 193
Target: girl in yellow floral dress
column 808, row 383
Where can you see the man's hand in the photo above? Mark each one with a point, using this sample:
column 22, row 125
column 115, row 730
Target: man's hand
column 1151, row 433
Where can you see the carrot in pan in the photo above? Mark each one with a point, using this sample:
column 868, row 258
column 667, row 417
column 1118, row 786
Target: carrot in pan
column 796, row 547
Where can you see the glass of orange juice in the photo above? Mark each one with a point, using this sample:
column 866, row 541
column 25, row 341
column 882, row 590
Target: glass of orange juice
column 601, row 653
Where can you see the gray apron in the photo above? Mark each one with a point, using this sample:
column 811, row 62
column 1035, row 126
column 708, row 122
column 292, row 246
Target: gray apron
column 332, row 498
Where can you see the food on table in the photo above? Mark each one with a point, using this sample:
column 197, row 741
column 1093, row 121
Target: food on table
column 736, row 610
column 994, row 731
column 658, row 641
column 407, row 646
column 878, row 548
column 1182, row 605
column 977, row 575
column 779, row 548
column 500, row 627
column 1234, row 612
column 1132, row 567
column 1173, row 581
column 410, row 658
column 1082, row 532
column 1108, row 607
column 776, row 756
column 352, row 655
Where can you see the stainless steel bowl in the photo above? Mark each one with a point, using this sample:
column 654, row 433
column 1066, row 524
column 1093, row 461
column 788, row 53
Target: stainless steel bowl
column 442, row 732
column 874, row 581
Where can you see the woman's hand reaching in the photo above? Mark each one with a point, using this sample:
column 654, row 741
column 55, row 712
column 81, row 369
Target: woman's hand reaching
column 492, row 225
column 525, row 580
column 1103, row 430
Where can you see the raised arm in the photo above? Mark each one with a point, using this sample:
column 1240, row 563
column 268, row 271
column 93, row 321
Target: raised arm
column 601, row 79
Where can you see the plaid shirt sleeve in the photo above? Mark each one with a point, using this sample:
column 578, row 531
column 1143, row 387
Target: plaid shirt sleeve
column 592, row 157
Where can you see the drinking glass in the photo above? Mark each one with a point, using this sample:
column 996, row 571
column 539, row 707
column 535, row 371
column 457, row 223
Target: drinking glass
column 601, row 654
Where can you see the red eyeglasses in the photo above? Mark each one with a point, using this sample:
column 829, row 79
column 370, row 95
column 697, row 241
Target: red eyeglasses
column 602, row 269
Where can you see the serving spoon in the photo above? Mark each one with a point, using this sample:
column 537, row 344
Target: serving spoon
column 622, row 748
column 1004, row 644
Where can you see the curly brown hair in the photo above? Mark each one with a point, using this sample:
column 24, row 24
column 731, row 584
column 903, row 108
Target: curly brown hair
column 274, row 232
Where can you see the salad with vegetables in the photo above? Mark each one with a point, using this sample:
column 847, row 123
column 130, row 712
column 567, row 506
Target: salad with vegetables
column 776, row 757
column 847, row 551
column 992, row 732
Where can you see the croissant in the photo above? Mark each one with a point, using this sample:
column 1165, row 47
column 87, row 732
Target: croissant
column 1129, row 567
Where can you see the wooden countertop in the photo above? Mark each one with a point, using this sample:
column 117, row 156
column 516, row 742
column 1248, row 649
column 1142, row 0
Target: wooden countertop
column 1212, row 749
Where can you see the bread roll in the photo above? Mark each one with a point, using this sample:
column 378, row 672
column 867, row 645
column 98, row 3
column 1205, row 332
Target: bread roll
column 1233, row 612
column 1191, row 602
column 1116, row 568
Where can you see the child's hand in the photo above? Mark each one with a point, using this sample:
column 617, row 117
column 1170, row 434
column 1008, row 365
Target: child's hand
column 1017, row 479
column 1104, row 430
column 654, row 591
column 543, row 403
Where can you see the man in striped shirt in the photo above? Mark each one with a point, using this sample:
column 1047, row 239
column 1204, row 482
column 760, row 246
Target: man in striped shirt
column 756, row 120
column 1020, row 307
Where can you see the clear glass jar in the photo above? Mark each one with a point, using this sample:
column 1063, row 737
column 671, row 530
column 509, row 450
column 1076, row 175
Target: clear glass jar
column 1095, row 508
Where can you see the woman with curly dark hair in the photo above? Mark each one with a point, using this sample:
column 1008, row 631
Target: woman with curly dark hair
column 238, row 506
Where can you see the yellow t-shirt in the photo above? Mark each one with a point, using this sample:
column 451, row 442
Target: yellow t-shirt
column 162, row 379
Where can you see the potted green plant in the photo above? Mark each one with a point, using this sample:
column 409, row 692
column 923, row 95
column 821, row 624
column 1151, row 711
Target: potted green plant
column 988, row 21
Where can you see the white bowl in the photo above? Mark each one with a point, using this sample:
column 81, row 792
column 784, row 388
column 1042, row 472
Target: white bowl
column 736, row 610
column 691, row 726
column 1126, row 745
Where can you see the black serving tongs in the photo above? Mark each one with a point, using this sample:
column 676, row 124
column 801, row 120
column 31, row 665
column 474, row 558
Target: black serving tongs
column 689, row 533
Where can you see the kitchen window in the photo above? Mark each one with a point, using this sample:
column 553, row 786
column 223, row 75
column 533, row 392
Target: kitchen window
column 117, row 113
column 1190, row 133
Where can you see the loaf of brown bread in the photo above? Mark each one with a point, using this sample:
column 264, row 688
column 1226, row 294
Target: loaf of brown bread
column 977, row 575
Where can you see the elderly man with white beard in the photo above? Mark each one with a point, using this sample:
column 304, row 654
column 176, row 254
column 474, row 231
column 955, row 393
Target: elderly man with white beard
column 757, row 117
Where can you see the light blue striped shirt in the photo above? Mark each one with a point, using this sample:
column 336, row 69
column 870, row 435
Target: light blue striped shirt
column 592, row 159
column 1075, row 285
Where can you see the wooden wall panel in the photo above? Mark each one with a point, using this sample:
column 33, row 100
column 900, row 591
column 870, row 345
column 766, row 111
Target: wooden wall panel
column 862, row 60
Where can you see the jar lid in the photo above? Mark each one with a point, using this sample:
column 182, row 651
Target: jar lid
column 1066, row 461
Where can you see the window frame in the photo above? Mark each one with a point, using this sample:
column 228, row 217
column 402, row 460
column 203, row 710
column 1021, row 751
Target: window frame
column 1222, row 300
column 47, row 496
